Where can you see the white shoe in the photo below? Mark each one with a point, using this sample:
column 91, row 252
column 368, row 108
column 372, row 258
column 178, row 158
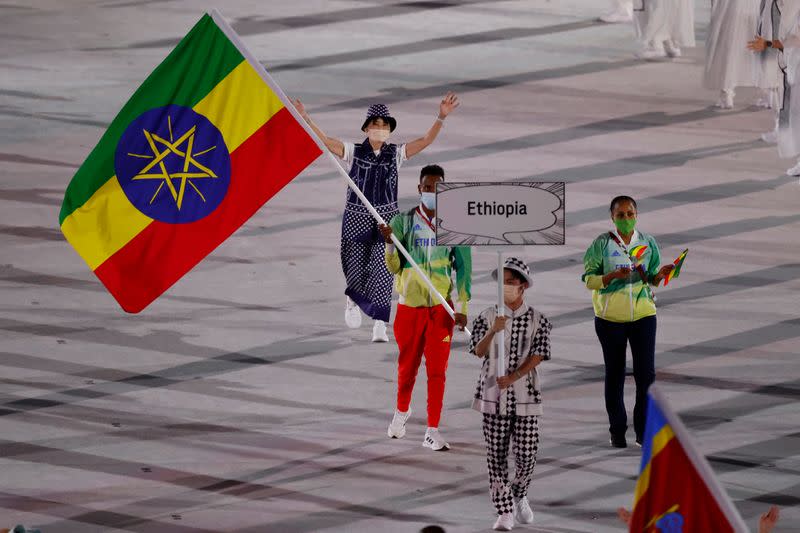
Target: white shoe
column 522, row 509
column 434, row 440
column 725, row 99
column 652, row 52
column 397, row 428
column 504, row 522
column 621, row 15
column 770, row 137
column 352, row 314
column 672, row 49
column 379, row 332
column 794, row 171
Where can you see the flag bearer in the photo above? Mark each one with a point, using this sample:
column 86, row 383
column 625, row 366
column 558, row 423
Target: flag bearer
column 423, row 325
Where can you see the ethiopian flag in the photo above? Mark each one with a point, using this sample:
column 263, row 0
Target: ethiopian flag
column 675, row 272
column 677, row 491
column 203, row 143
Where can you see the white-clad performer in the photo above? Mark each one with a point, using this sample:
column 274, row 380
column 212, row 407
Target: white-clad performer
column 663, row 27
column 768, row 73
column 788, row 46
column 728, row 63
column 622, row 12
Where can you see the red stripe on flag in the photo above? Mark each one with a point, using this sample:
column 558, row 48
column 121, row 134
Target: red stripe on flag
column 162, row 253
column 675, row 481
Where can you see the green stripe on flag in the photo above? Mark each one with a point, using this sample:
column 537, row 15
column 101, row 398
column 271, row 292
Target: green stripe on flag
column 200, row 61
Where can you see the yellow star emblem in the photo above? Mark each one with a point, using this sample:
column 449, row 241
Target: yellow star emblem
column 172, row 146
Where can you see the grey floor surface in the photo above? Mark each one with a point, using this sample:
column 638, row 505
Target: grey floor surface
column 239, row 402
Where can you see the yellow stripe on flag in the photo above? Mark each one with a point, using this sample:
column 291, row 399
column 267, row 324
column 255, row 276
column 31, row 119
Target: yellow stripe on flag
column 104, row 224
column 239, row 105
column 659, row 441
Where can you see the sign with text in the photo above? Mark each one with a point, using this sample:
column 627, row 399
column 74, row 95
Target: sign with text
column 500, row 213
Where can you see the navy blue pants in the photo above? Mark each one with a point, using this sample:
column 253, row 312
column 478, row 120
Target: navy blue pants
column 614, row 338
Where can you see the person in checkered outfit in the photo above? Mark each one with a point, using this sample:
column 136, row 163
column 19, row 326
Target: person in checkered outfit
column 374, row 165
column 511, row 404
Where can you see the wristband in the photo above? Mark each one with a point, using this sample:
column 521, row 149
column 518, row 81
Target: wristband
column 440, row 119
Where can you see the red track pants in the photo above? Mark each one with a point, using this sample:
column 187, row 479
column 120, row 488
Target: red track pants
column 419, row 330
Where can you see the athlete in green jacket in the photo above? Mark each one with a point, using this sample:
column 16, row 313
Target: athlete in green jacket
column 422, row 325
column 621, row 268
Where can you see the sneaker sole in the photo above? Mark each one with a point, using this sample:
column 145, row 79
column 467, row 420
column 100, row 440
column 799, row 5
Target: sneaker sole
column 396, row 436
column 442, row 449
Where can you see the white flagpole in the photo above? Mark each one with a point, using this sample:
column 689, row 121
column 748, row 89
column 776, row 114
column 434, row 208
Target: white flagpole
column 501, row 311
column 234, row 37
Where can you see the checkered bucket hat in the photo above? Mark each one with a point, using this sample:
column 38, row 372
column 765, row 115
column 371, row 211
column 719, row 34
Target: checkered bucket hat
column 518, row 265
column 379, row 111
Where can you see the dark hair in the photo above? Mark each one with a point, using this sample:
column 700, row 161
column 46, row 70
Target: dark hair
column 622, row 198
column 431, row 170
column 517, row 275
column 432, row 529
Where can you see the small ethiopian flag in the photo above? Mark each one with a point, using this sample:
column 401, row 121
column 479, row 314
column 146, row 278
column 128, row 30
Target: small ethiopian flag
column 638, row 251
column 204, row 142
column 677, row 270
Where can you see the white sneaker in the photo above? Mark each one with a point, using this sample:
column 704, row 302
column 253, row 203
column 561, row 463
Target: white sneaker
column 794, row 171
column 672, row 49
column 434, row 440
column 352, row 314
column 652, row 52
column 504, row 522
column 397, row 428
column 770, row 137
column 522, row 508
column 379, row 332
column 620, row 15
column 725, row 99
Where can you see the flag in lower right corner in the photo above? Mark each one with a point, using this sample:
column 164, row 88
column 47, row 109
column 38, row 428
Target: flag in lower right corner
column 677, row 491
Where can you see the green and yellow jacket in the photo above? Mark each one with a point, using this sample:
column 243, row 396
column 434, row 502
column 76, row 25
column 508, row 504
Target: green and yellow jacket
column 417, row 234
column 622, row 300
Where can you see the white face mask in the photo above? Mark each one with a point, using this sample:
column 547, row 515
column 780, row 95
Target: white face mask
column 377, row 135
column 511, row 293
column 428, row 199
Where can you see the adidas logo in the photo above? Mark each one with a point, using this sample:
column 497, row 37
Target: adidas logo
column 416, row 227
column 446, row 339
column 616, row 254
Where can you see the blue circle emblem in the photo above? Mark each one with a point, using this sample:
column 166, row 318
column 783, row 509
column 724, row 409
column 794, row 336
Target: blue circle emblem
column 173, row 164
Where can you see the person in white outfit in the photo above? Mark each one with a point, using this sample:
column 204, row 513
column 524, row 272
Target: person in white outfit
column 728, row 65
column 788, row 47
column 767, row 72
column 663, row 27
column 622, row 12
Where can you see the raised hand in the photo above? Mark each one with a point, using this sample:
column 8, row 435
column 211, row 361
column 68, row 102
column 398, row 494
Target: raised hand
column 300, row 107
column 448, row 104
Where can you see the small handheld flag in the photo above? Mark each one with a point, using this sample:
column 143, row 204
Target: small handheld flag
column 638, row 251
column 677, row 490
column 202, row 144
column 677, row 270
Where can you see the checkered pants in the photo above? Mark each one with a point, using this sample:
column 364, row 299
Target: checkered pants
column 498, row 431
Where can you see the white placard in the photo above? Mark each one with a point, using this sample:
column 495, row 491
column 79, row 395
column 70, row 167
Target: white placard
column 500, row 213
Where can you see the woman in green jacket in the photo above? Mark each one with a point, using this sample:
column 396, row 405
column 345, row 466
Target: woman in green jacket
column 620, row 268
